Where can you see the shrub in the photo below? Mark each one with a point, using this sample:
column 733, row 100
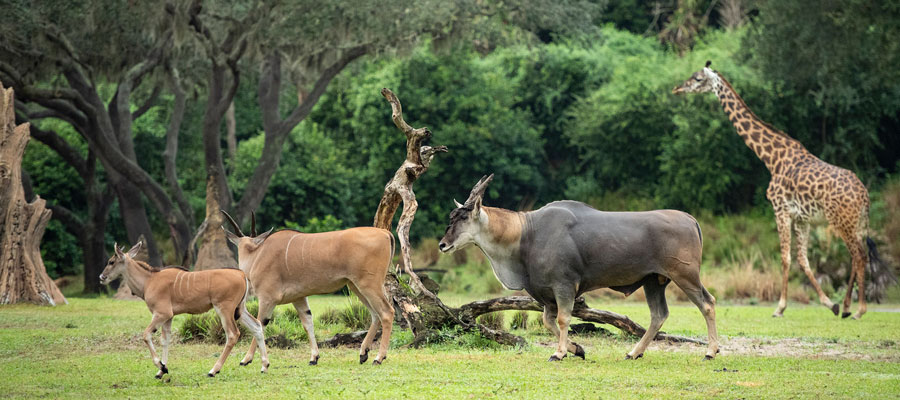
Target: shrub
column 519, row 320
column 492, row 320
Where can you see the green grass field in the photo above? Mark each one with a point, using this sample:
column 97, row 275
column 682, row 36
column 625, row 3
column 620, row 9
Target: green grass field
column 90, row 348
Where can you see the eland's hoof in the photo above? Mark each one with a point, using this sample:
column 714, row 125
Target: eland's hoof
column 363, row 357
column 162, row 367
column 554, row 358
column 579, row 351
column 159, row 375
column 245, row 363
column 845, row 314
column 211, row 375
column 629, row 357
column 315, row 361
column 376, row 362
column 777, row 315
column 835, row 309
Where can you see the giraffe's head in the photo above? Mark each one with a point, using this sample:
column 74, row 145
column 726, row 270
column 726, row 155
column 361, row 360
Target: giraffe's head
column 702, row 81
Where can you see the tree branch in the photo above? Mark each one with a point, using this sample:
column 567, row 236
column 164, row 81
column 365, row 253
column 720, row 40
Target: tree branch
column 276, row 129
column 471, row 311
column 68, row 153
column 151, row 101
column 171, row 152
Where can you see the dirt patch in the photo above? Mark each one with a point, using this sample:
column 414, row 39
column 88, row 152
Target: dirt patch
column 792, row 347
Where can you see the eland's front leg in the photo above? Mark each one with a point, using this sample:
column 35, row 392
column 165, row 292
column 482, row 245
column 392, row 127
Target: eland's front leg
column 264, row 315
column 306, row 318
column 256, row 329
column 564, row 305
column 166, row 341
column 157, row 320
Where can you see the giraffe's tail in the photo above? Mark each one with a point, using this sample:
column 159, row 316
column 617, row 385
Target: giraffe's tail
column 880, row 272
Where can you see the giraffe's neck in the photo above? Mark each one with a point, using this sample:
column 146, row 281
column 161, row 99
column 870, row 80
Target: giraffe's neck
column 773, row 147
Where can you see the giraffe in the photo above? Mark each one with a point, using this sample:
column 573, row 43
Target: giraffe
column 801, row 187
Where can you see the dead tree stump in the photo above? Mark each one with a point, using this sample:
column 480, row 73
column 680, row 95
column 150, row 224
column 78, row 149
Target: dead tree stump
column 23, row 277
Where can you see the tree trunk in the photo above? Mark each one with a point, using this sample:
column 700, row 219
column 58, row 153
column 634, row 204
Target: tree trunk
column 23, row 277
column 214, row 251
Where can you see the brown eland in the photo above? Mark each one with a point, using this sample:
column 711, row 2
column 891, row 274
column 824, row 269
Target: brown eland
column 567, row 248
column 287, row 266
column 171, row 291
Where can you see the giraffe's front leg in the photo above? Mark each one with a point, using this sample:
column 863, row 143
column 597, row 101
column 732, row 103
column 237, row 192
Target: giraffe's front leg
column 783, row 222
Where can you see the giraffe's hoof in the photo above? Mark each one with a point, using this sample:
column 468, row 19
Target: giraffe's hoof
column 845, row 314
column 629, row 357
column 554, row 358
column 777, row 315
column 162, row 367
column 245, row 363
column 159, row 375
column 835, row 309
column 211, row 375
column 377, row 362
column 315, row 361
column 707, row 357
column 579, row 351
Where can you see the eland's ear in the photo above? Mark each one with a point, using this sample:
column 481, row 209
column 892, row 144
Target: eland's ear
column 135, row 249
column 118, row 250
column 234, row 239
column 261, row 238
column 457, row 204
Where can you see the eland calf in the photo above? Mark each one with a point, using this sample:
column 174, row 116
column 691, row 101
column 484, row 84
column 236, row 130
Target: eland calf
column 287, row 266
column 172, row 291
column 567, row 248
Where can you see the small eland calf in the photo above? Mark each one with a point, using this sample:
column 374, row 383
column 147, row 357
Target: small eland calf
column 287, row 266
column 567, row 248
column 172, row 291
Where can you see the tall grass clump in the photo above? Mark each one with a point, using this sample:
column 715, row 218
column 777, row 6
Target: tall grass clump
column 355, row 316
column 492, row 320
column 519, row 320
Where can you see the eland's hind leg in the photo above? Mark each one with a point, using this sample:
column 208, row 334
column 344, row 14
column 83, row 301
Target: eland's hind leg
column 232, row 334
column 306, row 318
column 655, row 292
column 688, row 279
column 373, row 292
column 373, row 327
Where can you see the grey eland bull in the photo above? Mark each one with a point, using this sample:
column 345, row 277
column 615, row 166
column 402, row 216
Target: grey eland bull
column 287, row 266
column 567, row 248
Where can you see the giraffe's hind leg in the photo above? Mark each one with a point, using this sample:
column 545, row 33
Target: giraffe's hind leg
column 858, row 273
column 801, row 230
